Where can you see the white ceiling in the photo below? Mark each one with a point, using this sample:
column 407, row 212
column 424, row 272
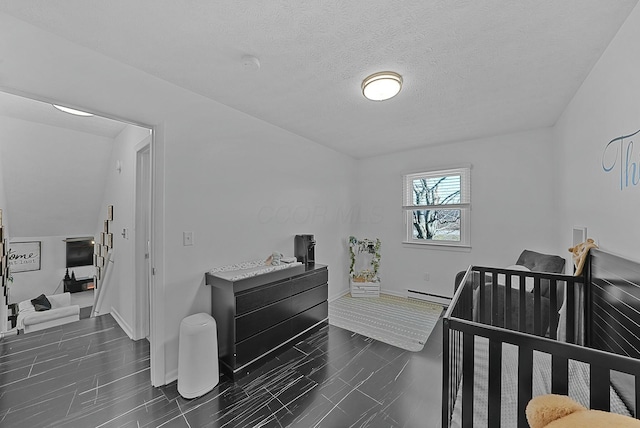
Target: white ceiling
column 57, row 160
column 18, row 107
column 471, row 68
column 53, row 176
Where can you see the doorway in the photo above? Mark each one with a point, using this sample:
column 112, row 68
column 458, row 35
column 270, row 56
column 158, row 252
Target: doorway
column 82, row 142
column 142, row 231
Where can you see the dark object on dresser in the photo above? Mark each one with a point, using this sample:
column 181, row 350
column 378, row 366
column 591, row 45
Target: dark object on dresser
column 304, row 248
column 257, row 315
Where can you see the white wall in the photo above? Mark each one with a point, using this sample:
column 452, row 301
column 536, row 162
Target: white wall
column 3, row 206
column 512, row 182
column 3, row 203
column 47, row 280
column 606, row 106
column 52, row 177
column 119, row 284
column 220, row 172
column 245, row 189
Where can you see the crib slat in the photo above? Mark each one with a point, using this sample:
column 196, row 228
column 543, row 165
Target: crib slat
column 553, row 309
column 637, row 406
column 495, row 382
column 537, row 325
column 482, row 296
column 446, row 370
column 507, row 303
column 599, row 388
column 522, row 322
column 525, row 383
column 458, row 367
column 571, row 308
column 495, row 314
column 467, row 379
column 559, row 375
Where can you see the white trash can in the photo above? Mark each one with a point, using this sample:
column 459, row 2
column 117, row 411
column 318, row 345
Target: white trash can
column 198, row 371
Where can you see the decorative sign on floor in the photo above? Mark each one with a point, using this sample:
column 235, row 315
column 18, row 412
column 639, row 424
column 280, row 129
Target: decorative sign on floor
column 24, row 256
column 618, row 157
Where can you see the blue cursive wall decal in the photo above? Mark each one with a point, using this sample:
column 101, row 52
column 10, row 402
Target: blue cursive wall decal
column 619, row 152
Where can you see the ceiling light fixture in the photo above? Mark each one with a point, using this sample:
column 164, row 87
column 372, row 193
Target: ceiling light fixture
column 72, row 111
column 381, row 86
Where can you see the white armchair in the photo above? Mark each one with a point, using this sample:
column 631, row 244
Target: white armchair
column 61, row 312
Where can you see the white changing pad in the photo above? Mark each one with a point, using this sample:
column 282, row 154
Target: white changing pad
column 248, row 269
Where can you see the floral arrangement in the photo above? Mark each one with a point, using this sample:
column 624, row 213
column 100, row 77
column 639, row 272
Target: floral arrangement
column 360, row 246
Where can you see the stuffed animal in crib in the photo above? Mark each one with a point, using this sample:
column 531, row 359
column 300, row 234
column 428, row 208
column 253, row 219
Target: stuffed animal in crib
column 580, row 253
column 560, row 411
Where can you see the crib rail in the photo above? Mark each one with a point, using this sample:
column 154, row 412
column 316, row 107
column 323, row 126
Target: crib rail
column 475, row 312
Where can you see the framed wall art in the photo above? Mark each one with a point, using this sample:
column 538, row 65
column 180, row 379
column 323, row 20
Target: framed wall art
column 24, row 256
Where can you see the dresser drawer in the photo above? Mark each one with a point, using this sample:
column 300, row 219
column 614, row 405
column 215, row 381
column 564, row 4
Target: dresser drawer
column 303, row 301
column 249, row 301
column 310, row 281
column 257, row 298
column 265, row 341
column 261, row 319
column 254, row 322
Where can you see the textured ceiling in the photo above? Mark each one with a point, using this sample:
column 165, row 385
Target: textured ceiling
column 470, row 68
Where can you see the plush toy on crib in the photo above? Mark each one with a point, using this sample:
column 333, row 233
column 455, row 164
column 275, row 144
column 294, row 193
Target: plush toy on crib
column 580, row 253
column 560, row 411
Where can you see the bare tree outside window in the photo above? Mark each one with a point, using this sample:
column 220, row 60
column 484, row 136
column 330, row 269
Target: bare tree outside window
column 436, row 203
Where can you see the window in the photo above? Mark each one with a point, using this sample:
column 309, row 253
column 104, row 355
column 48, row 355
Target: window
column 437, row 207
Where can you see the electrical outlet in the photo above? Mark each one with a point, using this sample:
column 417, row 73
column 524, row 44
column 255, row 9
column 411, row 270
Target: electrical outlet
column 426, row 276
column 187, row 239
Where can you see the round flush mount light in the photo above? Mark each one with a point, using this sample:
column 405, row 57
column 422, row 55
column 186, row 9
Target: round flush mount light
column 73, row 111
column 381, row 86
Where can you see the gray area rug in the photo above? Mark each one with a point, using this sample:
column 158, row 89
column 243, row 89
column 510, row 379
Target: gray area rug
column 402, row 322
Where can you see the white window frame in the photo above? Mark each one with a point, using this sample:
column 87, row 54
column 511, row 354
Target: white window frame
column 464, row 206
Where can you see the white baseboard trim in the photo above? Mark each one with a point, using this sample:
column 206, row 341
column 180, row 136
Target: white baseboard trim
column 123, row 324
column 393, row 293
column 407, row 294
column 338, row 295
column 171, row 376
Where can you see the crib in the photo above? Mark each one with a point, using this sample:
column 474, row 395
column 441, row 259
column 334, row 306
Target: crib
column 511, row 335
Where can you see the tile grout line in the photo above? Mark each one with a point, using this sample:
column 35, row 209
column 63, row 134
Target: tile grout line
column 117, row 380
column 31, row 368
column 341, row 400
column 182, row 414
column 125, row 413
column 71, row 402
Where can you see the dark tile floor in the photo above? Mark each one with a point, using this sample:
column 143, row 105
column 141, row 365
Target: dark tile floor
column 89, row 374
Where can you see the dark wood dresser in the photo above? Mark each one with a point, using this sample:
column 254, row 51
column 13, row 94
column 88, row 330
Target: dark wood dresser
column 257, row 315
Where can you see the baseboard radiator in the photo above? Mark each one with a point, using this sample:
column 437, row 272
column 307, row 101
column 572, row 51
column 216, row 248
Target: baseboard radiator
column 430, row 297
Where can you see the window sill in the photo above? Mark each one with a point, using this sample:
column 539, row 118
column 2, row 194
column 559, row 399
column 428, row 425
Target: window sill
column 443, row 247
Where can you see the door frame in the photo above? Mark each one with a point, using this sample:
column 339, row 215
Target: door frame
column 156, row 220
column 142, row 240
